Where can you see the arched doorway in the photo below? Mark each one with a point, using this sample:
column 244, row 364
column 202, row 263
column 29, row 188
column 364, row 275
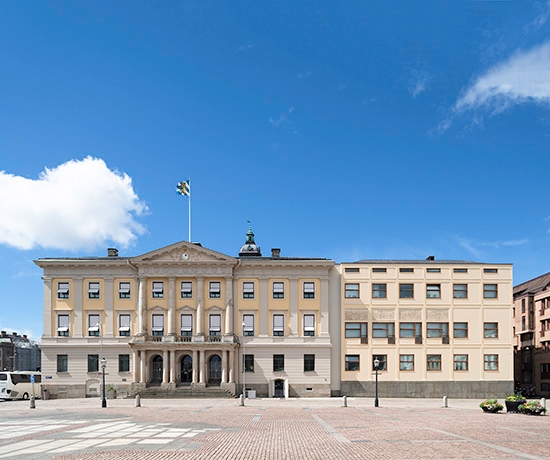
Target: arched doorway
column 214, row 370
column 156, row 370
column 186, row 370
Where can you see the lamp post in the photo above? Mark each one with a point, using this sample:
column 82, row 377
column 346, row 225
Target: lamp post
column 244, row 365
column 103, row 365
column 376, row 366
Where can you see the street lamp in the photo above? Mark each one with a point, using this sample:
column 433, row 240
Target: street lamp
column 244, row 365
column 376, row 367
column 103, row 365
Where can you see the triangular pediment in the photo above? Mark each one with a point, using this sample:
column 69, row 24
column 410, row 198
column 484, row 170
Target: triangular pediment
column 184, row 253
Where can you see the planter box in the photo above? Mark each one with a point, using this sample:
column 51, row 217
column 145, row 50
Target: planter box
column 512, row 406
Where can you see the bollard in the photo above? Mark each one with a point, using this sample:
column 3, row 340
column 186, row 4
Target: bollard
column 241, row 400
column 543, row 402
column 33, row 405
column 344, row 401
column 445, row 401
column 138, row 401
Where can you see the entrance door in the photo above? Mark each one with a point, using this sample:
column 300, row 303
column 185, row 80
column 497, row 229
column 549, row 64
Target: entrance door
column 214, row 370
column 186, row 370
column 156, row 375
column 279, row 389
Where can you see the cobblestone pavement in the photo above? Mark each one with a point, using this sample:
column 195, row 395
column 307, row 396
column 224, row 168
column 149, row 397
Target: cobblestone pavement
column 316, row 428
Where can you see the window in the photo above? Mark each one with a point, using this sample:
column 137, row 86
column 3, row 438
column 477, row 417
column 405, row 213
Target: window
column 433, row 291
column 490, row 362
column 461, row 362
column 433, row 270
column 379, row 270
column 379, row 291
column 123, row 363
column 523, row 305
column 356, row 330
column 248, row 290
column 248, row 363
column 434, row 362
column 460, row 270
column 158, row 289
column 215, row 324
column 352, row 270
column 278, row 363
column 124, row 325
column 352, row 362
column 93, row 290
column 278, row 325
column 63, row 290
column 523, row 323
column 352, row 290
column 490, row 330
column 63, row 325
column 437, row 330
column 410, row 330
column 158, row 325
column 490, row 291
column 93, row 325
column 382, row 330
column 406, row 291
column 460, row 291
column 309, row 290
column 278, row 290
column 186, row 289
column 124, row 290
column 62, row 363
column 214, row 289
column 490, row 270
column 460, row 330
column 406, row 270
column 406, row 362
column 309, row 325
column 382, row 362
column 186, row 324
column 93, row 363
column 309, row 363
column 248, row 325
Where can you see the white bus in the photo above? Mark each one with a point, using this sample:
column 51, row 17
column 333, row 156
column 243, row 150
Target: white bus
column 17, row 385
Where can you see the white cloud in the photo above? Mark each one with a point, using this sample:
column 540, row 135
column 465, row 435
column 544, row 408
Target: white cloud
column 418, row 83
column 282, row 118
column 473, row 246
column 245, row 48
column 542, row 18
column 303, row 75
column 77, row 205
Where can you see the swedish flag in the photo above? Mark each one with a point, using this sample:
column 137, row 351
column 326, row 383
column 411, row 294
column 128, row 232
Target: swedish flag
column 184, row 188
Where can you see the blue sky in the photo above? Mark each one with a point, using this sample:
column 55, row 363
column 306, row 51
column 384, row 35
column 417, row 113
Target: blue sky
column 348, row 130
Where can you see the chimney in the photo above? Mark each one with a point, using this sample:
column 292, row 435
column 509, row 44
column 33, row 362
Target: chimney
column 276, row 253
column 15, row 334
column 3, row 333
column 112, row 252
column 430, row 258
column 24, row 336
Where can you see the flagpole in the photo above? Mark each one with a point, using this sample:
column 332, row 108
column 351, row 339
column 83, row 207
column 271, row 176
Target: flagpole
column 189, row 208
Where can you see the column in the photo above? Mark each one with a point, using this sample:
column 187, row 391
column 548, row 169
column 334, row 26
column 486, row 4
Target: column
column 172, row 366
column 232, row 366
column 294, row 296
column 165, row 366
column 195, row 366
column 49, row 315
column 324, row 307
column 200, row 306
column 201, row 366
column 142, row 307
column 143, row 362
column 77, row 309
column 224, row 365
column 109, row 306
column 264, row 312
column 171, row 306
column 136, row 365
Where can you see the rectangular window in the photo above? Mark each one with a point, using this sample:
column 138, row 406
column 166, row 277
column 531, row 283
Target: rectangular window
column 433, row 291
column 460, row 270
column 406, row 291
column 490, row 291
column 437, row 330
column 279, row 325
column 309, row 290
column 490, row 330
column 379, row 291
column 248, row 290
column 93, row 325
column 309, row 325
column 356, row 330
column 382, row 330
column 123, row 363
column 278, row 290
column 124, row 290
column 352, row 290
column 63, row 325
column 124, row 325
column 433, row 270
column 278, row 363
column 382, row 362
column 490, row 270
column 215, row 325
column 460, row 330
column 248, row 363
column 434, row 362
column 248, row 325
column 158, row 325
column 93, row 290
column 352, row 270
column 406, row 362
column 461, row 362
column 490, row 362
column 352, row 362
column 309, row 363
column 62, row 363
column 523, row 305
column 186, row 290
column 93, row 363
column 158, row 289
column 406, row 270
column 63, row 290
column 460, row 291
column 214, row 289
column 379, row 270
column 410, row 330
column 186, row 324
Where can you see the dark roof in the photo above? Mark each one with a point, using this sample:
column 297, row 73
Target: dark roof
column 533, row 286
column 417, row 262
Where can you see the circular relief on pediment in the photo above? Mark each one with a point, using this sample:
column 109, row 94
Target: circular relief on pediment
column 185, row 256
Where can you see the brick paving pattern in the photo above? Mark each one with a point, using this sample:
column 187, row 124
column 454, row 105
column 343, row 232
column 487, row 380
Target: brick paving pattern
column 267, row 429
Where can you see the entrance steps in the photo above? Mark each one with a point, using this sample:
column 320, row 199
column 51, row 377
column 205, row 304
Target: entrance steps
column 182, row 392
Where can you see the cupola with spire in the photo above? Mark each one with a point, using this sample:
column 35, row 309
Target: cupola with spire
column 249, row 248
